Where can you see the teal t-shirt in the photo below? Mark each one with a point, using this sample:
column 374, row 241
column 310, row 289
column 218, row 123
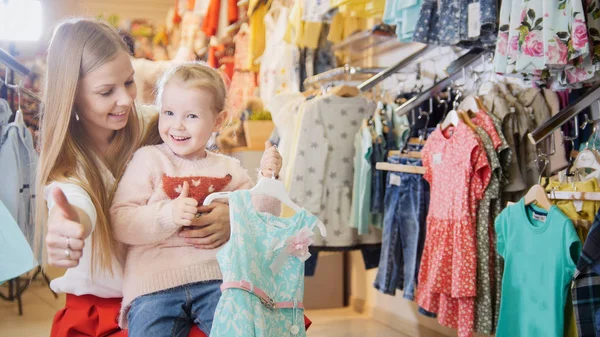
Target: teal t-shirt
column 360, row 217
column 540, row 249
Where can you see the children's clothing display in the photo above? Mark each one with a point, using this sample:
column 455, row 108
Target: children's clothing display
column 243, row 83
column 321, row 174
column 445, row 23
column 263, row 272
column 539, row 248
column 404, row 15
column 19, row 166
column 552, row 39
column 458, row 173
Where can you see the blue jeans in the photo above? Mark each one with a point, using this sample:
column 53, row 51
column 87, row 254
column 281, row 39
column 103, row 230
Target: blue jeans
column 172, row 312
column 406, row 207
column 378, row 177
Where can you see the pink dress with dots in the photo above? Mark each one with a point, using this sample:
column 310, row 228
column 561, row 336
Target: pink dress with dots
column 458, row 173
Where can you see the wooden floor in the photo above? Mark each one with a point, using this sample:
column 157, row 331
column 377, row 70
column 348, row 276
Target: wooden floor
column 39, row 307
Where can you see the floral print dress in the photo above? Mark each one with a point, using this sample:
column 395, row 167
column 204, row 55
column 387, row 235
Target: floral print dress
column 458, row 172
column 267, row 252
column 549, row 40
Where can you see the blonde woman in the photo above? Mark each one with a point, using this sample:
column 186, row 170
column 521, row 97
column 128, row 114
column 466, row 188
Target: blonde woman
column 89, row 130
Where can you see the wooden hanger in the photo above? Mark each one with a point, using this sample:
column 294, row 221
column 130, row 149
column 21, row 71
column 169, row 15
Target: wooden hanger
column 572, row 195
column 537, row 194
column 464, row 116
column 416, row 141
column 409, row 154
column 345, row 91
column 400, row 168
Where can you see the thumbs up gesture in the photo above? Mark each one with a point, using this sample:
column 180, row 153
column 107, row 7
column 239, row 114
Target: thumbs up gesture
column 184, row 208
column 66, row 233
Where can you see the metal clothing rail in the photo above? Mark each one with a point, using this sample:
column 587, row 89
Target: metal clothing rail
column 12, row 63
column 387, row 72
column 454, row 70
column 347, row 69
column 566, row 114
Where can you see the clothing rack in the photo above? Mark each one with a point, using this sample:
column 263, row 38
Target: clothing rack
column 472, row 58
column 387, row 72
column 345, row 70
column 566, row 114
column 12, row 64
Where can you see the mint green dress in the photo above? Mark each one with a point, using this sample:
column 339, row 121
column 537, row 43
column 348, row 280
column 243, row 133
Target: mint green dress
column 258, row 240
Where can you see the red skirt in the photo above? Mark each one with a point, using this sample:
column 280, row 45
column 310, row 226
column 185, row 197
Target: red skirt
column 93, row 316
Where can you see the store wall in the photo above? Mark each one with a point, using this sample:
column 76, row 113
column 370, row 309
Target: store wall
column 395, row 311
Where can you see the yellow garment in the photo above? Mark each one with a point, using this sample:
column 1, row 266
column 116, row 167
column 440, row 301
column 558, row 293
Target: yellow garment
column 256, row 45
column 343, row 26
column 588, row 209
column 302, row 33
column 366, row 9
column 285, row 210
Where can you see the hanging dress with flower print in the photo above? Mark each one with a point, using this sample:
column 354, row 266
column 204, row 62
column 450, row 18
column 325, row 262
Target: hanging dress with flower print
column 263, row 272
column 549, row 39
column 458, row 173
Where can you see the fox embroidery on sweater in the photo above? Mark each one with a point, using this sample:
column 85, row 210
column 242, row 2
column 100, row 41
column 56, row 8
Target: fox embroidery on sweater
column 200, row 187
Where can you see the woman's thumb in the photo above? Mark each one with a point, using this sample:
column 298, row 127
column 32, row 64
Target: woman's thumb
column 63, row 204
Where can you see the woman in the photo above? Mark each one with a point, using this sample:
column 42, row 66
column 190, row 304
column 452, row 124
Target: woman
column 89, row 129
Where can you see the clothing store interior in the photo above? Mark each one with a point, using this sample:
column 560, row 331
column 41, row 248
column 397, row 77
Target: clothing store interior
column 412, row 137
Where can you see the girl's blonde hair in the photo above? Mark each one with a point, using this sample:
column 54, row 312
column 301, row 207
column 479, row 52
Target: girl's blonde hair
column 78, row 47
column 192, row 75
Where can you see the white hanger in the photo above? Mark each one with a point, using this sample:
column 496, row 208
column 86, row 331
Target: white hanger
column 469, row 104
column 587, row 159
column 451, row 119
column 270, row 187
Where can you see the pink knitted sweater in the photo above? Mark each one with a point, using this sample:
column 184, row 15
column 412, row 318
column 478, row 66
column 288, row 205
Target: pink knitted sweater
column 157, row 258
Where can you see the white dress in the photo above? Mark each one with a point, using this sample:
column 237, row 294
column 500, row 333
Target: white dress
column 279, row 65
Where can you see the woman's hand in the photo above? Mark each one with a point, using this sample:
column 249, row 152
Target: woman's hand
column 66, row 234
column 271, row 162
column 211, row 230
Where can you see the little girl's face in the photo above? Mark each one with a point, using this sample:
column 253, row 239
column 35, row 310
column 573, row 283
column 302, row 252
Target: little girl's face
column 187, row 119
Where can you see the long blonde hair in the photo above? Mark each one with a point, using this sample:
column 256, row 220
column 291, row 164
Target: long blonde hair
column 193, row 75
column 79, row 46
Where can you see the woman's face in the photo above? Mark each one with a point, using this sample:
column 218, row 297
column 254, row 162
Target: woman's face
column 105, row 96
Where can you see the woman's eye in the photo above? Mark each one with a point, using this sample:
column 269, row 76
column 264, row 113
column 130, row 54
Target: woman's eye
column 128, row 83
column 106, row 93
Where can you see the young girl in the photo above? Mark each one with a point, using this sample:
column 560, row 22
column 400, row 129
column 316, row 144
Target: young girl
column 168, row 283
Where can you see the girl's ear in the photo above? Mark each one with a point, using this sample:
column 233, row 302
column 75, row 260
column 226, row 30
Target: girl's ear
column 221, row 118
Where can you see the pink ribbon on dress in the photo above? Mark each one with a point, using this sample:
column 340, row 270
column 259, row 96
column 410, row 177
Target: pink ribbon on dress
column 296, row 245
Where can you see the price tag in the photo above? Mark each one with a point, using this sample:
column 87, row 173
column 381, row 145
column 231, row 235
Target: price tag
column 474, row 20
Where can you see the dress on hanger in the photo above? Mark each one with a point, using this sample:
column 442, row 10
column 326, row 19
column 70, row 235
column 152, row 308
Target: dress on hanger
column 243, row 82
column 262, row 262
column 279, row 65
column 549, row 38
column 458, row 172
column 445, row 23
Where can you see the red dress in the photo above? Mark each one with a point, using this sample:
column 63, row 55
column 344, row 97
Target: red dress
column 458, row 173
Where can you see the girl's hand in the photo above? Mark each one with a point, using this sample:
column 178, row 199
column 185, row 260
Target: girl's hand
column 271, row 162
column 211, row 230
column 184, row 208
column 66, row 233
